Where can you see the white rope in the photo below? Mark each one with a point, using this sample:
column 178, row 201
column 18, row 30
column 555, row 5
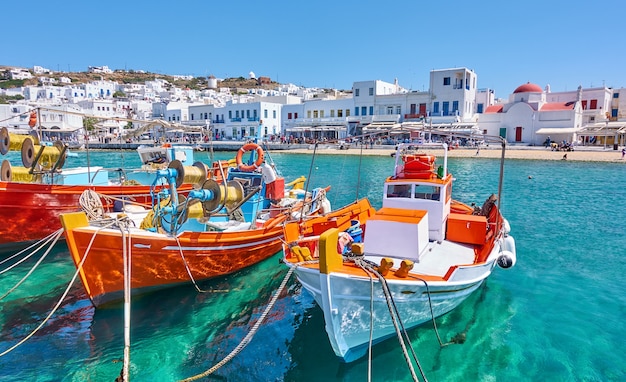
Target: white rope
column 54, row 309
column 394, row 316
column 92, row 205
column 42, row 243
column 126, row 256
column 29, row 247
column 33, row 268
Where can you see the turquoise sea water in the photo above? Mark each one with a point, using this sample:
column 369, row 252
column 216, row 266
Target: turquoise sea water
column 558, row 315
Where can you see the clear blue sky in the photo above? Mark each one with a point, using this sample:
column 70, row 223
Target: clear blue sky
column 329, row 43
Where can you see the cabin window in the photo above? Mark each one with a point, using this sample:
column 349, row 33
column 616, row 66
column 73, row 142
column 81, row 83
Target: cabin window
column 399, row 191
column 427, row 192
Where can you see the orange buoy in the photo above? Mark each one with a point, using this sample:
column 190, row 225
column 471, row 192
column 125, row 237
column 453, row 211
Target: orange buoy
column 249, row 147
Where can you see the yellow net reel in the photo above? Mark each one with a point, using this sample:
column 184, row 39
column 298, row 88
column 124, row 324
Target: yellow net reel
column 10, row 173
column 13, row 142
column 227, row 195
column 47, row 156
column 195, row 174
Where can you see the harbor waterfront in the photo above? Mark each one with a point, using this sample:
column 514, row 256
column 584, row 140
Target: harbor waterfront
column 580, row 153
column 557, row 315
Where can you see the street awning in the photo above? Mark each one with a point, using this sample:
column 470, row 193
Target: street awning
column 557, row 130
column 603, row 129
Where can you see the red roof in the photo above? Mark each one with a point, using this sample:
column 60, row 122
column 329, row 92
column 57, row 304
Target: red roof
column 528, row 88
column 494, row 109
column 558, row 106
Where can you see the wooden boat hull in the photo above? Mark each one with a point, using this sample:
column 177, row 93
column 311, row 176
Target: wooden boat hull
column 31, row 211
column 158, row 260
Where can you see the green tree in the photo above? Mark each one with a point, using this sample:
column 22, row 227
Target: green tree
column 89, row 123
column 7, row 99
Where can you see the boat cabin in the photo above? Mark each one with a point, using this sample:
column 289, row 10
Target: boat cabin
column 415, row 208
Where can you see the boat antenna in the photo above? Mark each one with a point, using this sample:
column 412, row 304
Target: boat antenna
column 308, row 179
column 500, row 181
column 209, row 134
column 358, row 179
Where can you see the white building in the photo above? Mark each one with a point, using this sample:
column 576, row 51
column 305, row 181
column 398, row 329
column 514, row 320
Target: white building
column 453, row 94
column 100, row 89
column 532, row 114
column 41, row 70
column 20, row 74
column 99, row 69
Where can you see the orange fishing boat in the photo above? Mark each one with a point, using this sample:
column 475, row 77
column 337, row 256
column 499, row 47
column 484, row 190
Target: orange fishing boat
column 217, row 229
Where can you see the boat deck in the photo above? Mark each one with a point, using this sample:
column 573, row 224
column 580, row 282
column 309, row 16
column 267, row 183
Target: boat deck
column 437, row 258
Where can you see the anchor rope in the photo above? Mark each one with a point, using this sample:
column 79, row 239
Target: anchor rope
column 254, row 328
column 56, row 238
column 65, row 293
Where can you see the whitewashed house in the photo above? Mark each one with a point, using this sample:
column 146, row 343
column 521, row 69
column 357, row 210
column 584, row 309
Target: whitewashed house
column 20, row 74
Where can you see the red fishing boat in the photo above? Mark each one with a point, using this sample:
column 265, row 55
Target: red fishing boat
column 33, row 196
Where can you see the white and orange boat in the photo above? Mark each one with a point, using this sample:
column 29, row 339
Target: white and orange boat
column 32, row 196
column 416, row 258
column 216, row 230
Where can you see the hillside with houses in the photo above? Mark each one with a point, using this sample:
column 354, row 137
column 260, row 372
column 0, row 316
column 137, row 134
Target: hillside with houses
column 113, row 103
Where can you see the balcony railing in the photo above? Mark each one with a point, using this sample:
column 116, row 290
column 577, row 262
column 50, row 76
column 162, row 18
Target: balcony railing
column 414, row 116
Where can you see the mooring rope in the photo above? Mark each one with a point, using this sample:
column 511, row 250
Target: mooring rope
column 46, row 239
column 254, row 329
column 126, row 258
column 401, row 333
column 56, row 238
column 371, row 339
column 67, row 290
column 180, row 250
column 42, row 243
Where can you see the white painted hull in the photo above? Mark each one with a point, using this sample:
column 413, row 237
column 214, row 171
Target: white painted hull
column 346, row 302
